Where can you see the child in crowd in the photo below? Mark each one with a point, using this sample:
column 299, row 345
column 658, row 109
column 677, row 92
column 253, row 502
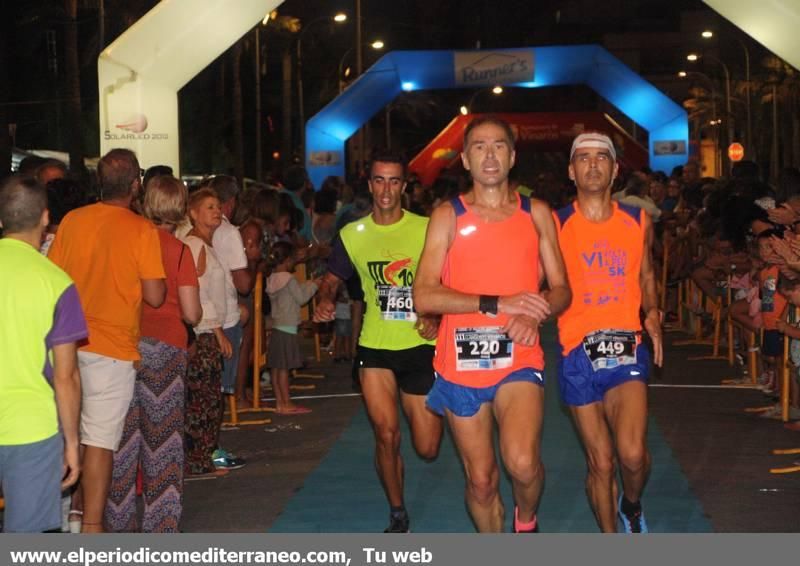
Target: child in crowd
column 772, row 307
column 286, row 297
column 343, row 326
column 790, row 289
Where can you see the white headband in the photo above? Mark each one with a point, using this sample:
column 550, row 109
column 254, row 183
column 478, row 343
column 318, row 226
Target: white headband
column 594, row 140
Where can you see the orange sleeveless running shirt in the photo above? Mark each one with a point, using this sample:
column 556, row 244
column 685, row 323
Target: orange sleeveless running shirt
column 603, row 262
column 487, row 258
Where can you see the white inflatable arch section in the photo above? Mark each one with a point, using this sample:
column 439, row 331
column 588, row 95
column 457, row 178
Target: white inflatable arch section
column 140, row 74
column 773, row 23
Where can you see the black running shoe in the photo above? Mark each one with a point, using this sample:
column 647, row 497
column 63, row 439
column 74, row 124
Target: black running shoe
column 632, row 522
column 398, row 523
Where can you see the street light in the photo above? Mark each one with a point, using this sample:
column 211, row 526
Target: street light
column 729, row 117
column 269, row 16
column 496, row 90
column 338, row 18
column 708, row 34
column 377, row 45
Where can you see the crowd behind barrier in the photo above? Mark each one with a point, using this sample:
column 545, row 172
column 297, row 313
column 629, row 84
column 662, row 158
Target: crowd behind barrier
column 727, row 255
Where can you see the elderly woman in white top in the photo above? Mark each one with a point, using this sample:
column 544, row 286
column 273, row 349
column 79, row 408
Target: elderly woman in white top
column 203, row 392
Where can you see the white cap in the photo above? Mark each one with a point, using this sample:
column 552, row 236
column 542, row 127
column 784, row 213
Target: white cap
column 594, row 140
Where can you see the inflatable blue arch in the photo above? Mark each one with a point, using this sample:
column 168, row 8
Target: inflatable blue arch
column 666, row 122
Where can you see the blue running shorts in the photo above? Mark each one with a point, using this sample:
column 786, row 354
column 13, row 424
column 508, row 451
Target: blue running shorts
column 580, row 384
column 465, row 401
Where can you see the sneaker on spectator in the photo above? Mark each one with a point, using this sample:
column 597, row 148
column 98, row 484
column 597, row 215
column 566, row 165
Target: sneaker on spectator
column 225, row 460
column 773, row 412
column 776, row 413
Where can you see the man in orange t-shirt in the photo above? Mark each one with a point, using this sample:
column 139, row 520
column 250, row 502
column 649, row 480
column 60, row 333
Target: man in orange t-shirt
column 114, row 257
column 604, row 366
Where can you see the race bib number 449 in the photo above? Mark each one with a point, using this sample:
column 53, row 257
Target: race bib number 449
column 397, row 303
column 487, row 347
column 608, row 349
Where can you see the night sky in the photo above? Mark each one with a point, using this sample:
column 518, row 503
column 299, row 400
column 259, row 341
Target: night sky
column 652, row 36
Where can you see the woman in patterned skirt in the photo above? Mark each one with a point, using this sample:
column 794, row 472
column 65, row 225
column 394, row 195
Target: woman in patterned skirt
column 203, row 383
column 153, row 434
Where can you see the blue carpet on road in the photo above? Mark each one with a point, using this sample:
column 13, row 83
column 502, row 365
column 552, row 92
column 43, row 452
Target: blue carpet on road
column 343, row 494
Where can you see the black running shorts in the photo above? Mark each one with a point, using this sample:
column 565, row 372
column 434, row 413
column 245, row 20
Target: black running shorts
column 412, row 368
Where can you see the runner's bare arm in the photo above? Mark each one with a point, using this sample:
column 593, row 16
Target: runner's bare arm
column 647, row 281
column 523, row 329
column 431, row 297
column 558, row 294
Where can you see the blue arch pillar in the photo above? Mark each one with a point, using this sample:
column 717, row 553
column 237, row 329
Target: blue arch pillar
column 666, row 122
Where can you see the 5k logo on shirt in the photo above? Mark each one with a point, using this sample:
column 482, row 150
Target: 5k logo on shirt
column 604, row 273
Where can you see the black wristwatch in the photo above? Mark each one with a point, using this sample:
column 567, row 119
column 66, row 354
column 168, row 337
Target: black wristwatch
column 487, row 304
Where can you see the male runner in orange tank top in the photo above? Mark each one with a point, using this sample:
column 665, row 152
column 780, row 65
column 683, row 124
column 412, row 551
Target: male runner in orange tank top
column 481, row 268
column 603, row 371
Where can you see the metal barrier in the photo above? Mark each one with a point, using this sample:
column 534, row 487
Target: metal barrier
column 696, row 304
column 787, row 366
column 259, row 361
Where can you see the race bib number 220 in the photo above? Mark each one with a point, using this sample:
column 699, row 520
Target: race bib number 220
column 482, row 348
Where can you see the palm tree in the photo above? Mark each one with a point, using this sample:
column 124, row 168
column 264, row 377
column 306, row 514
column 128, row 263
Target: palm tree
column 780, row 108
column 703, row 116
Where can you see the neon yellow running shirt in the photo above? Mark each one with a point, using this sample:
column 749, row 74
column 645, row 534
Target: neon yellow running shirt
column 386, row 259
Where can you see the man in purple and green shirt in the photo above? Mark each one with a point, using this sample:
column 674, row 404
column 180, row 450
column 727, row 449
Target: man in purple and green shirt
column 40, row 393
